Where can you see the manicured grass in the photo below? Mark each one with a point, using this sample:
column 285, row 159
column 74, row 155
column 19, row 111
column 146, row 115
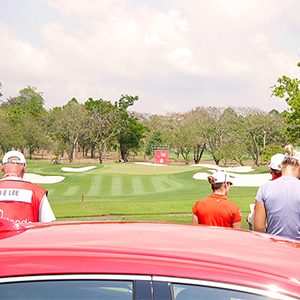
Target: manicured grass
column 132, row 192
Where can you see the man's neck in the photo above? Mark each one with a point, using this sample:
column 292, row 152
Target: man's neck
column 11, row 175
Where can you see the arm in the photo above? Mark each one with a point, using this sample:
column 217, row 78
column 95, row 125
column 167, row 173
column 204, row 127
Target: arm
column 45, row 212
column 195, row 220
column 237, row 225
column 260, row 217
column 236, row 221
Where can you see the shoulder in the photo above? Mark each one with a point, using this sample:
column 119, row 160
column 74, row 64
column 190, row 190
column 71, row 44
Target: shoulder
column 36, row 187
column 20, row 183
column 202, row 201
column 283, row 181
column 233, row 205
column 265, row 186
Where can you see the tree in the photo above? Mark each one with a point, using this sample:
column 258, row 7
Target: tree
column 21, row 115
column 195, row 118
column 212, row 127
column 256, row 129
column 104, row 121
column 28, row 101
column 131, row 130
column 7, row 133
column 31, row 133
column 155, row 139
column 130, row 136
column 179, row 134
column 271, row 150
column 67, row 124
column 289, row 89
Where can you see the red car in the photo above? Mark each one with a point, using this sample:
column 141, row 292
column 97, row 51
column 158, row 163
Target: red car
column 93, row 260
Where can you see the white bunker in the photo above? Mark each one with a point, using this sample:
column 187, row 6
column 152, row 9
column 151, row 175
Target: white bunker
column 150, row 164
column 67, row 169
column 237, row 179
column 35, row 178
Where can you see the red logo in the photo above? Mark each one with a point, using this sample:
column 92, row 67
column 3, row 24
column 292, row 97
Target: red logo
column 162, row 157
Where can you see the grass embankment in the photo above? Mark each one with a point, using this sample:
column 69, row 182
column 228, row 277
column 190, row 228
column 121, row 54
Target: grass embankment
column 132, row 192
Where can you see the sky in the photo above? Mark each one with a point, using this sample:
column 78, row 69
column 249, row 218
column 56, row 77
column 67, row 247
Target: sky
column 174, row 54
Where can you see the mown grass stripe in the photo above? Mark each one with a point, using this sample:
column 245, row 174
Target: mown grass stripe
column 157, row 183
column 116, row 186
column 95, row 186
column 72, row 190
column 106, row 185
column 137, row 185
column 148, row 185
column 127, row 185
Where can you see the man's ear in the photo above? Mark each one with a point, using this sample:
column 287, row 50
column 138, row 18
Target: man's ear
column 23, row 170
column 2, row 168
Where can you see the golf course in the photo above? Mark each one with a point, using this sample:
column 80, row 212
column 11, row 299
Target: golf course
column 131, row 191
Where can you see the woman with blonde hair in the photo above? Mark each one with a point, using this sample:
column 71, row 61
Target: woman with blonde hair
column 278, row 201
column 216, row 210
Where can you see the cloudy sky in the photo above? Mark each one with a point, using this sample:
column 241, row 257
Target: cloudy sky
column 174, row 54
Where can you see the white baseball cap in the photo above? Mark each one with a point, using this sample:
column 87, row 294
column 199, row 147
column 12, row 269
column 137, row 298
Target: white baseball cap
column 221, row 177
column 19, row 155
column 276, row 161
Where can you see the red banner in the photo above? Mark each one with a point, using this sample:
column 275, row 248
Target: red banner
column 162, row 157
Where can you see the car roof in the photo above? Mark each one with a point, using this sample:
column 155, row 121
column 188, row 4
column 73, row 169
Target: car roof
column 176, row 250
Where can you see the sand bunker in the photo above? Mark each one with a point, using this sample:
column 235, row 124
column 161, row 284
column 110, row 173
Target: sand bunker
column 66, row 169
column 35, row 178
column 237, row 179
column 240, row 169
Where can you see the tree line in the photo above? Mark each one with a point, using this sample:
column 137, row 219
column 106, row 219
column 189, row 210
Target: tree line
column 228, row 133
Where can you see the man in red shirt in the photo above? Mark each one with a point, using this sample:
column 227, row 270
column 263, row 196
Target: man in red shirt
column 21, row 201
column 217, row 210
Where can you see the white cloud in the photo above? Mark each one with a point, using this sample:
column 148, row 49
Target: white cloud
column 217, row 52
column 154, row 39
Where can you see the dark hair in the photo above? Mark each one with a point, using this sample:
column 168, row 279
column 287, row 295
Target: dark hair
column 215, row 186
column 276, row 172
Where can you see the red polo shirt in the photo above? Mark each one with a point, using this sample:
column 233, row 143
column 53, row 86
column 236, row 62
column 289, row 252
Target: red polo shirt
column 217, row 210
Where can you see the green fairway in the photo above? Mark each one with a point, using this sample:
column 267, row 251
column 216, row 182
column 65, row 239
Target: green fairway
column 132, row 192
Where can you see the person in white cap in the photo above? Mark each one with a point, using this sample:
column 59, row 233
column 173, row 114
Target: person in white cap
column 217, row 210
column 275, row 171
column 278, row 201
column 275, row 165
column 21, row 201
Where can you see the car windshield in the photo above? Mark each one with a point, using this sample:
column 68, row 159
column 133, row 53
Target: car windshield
column 67, row 290
column 195, row 292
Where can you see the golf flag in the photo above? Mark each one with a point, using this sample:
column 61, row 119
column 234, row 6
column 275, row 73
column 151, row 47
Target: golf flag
column 162, row 157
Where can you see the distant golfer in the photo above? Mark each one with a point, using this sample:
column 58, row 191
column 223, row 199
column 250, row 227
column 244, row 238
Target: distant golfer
column 21, row 201
column 217, row 210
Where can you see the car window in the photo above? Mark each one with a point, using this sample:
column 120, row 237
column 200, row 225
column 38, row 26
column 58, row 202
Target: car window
column 195, row 292
column 67, row 290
